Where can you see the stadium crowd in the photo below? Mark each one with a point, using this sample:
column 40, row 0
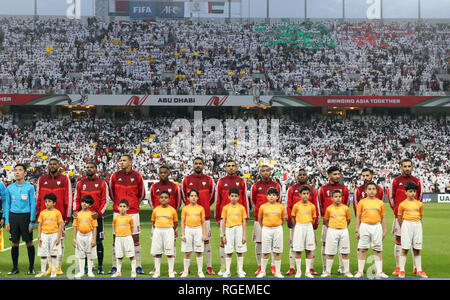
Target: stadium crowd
column 189, row 57
column 378, row 142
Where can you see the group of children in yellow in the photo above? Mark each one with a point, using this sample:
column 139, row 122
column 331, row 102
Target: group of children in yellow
column 370, row 230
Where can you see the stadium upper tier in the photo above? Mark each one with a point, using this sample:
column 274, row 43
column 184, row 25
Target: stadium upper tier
column 314, row 143
column 63, row 56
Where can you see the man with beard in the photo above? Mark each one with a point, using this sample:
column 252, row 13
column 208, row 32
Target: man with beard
column 398, row 194
column 224, row 184
column 258, row 197
column 294, row 196
column 56, row 183
column 128, row 184
column 360, row 192
column 205, row 187
column 325, row 200
column 98, row 190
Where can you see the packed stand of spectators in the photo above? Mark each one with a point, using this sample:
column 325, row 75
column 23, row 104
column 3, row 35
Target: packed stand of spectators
column 190, row 57
column 315, row 143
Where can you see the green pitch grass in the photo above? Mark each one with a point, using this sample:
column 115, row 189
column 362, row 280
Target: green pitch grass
column 435, row 253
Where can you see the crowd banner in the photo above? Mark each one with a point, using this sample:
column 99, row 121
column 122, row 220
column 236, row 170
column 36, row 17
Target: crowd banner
column 225, row 100
column 150, row 10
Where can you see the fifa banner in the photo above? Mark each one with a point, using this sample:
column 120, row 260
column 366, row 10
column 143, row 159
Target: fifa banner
column 150, row 10
column 220, row 100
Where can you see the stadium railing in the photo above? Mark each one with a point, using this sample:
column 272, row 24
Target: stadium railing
column 222, row 92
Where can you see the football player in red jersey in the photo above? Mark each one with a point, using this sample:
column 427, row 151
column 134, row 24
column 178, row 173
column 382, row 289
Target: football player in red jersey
column 258, row 197
column 97, row 188
column 128, row 184
column 325, row 200
column 205, row 187
column 224, row 184
column 294, row 196
column 397, row 195
column 60, row 185
column 360, row 192
column 164, row 184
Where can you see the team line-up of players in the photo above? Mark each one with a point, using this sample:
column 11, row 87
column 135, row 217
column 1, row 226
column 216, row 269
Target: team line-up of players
column 52, row 205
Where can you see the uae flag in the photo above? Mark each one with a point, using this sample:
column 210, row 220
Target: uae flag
column 216, row 7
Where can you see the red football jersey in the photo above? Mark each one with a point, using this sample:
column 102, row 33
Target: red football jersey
column 325, row 196
column 205, row 187
column 97, row 189
column 398, row 193
column 293, row 196
column 130, row 186
column 171, row 187
column 59, row 185
column 224, row 184
column 360, row 193
column 258, row 196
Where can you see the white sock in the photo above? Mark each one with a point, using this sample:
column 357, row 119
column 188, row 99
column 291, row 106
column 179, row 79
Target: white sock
column 397, row 250
column 59, row 261
column 222, row 257
column 361, row 263
column 157, row 265
column 324, row 258
column 298, row 264
column 114, row 258
column 292, row 259
column 187, row 263
column 170, row 262
column 418, row 262
column 277, row 264
column 272, row 262
column 60, row 257
column 378, row 265
column 240, row 264
column 264, row 262
column 119, row 264
column 258, row 248
column 137, row 255
column 133, row 265
column 340, row 259
column 43, row 264
column 402, row 261
column 329, row 264
column 228, row 263
column 200, row 264
column 81, row 264
column 90, row 264
column 346, row 263
column 208, row 255
column 311, row 266
column 413, row 260
column 54, row 262
column 309, row 263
